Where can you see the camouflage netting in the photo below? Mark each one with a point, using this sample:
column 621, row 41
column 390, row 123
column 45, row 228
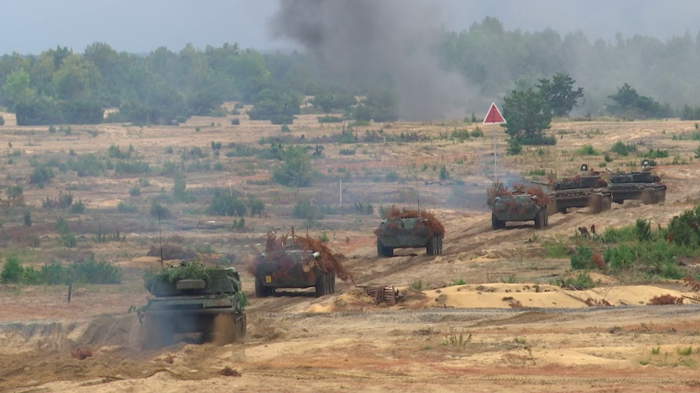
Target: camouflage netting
column 434, row 225
column 498, row 189
column 275, row 250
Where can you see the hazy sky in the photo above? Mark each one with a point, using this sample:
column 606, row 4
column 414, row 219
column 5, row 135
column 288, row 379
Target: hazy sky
column 30, row 26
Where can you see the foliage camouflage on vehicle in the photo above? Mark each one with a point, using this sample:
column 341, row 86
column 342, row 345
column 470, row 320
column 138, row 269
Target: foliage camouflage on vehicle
column 518, row 204
column 296, row 262
column 192, row 298
column 407, row 228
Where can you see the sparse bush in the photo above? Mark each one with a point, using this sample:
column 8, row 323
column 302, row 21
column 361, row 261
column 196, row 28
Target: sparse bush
column 417, row 285
column 392, row 177
column 115, row 152
column 581, row 259
column 131, row 167
column 126, row 208
column 135, row 191
column 41, row 175
column 180, row 191
column 284, row 128
column 235, row 122
column 216, row 145
column 27, row 217
column 2, row 121
column 364, row 208
column 62, row 201
column 225, row 203
column 658, row 153
column 514, row 147
column 77, row 207
column 52, row 130
column 555, row 248
column 159, row 211
column 350, row 152
column 296, row 169
column 92, row 272
column 67, row 240
column 255, row 206
column 104, row 237
column 444, row 174
column 323, row 237
column 306, row 210
column 587, row 150
column 581, row 282
column 623, row 149
column 643, row 230
column 12, row 271
column 477, row 133
column 619, row 258
column 330, row 119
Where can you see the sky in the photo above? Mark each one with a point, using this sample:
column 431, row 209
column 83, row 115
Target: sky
column 140, row 26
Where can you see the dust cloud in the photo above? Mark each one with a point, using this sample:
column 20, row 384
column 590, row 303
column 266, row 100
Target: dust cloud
column 375, row 41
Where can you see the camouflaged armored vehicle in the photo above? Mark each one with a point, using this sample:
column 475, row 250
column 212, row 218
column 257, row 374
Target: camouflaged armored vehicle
column 519, row 206
column 291, row 267
column 191, row 298
column 643, row 186
column 408, row 232
column 585, row 190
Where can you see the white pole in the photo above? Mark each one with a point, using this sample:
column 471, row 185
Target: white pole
column 495, row 157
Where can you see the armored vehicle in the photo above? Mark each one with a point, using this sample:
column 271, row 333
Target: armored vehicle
column 191, row 298
column 643, row 186
column 585, row 190
column 519, row 207
column 292, row 267
column 415, row 232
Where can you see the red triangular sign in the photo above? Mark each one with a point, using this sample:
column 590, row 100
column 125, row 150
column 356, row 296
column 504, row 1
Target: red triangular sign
column 494, row 116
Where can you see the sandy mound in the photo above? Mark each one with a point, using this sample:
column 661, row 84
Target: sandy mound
column 542, row 296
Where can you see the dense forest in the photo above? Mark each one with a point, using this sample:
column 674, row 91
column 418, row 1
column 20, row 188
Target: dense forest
column 61, row 86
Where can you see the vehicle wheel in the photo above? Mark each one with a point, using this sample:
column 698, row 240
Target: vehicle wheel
column 322, row 285
column 660, row 196
column 241, row 326
column 260, row 289
column 539, row 220
column 331, row 279
column 596, row 203
column 229, row 328
column 496, row 223
column 648, row 197
column 562, row 210
column 430, row 248
column 384, row 251
column 159, row 333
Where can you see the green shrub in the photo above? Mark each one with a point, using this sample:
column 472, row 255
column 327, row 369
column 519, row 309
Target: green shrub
column 364, row 208
column 642, row 229
column 581, row 259
column 159, row 211
column 653, row 154
column 27, row 217
column 623, row 149
column 54, row 274
column 330, row 119
column 225, row 203
column 460, row 135
column 235, row 122
column 77, row 207
column 392, row 177
column 587, row 150
column 514, row 147
column 216, row 145
column 323, row 237
column 444, row 174
column 115, row 152
column 92, row 272
column 581, row 282
column 135, row 191
column 477, row 133
column 255, row 206
column 41, row 175
column 619, row 235
column 347, row 152
column 180, row 191
column 12, row 270
column 306, row 210
column 284, row 128
column 126, row 208
column 131, row 167
column 67, row 240
column 555, row 248
column 619, row 258
column 2, row 121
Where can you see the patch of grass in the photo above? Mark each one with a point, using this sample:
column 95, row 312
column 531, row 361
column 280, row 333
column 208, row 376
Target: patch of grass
column 623, row 149
column 458, row 282
column 555, row 248
column 123, row 207
column 655, row 351
column 644, row 362
column 347, row 152
column 581, row 282
column 586, row 150
column 418, row 285
column 685, row 351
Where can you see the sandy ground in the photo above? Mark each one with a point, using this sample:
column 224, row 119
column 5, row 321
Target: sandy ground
column 508, row 327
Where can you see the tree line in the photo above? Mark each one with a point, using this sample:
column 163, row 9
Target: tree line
column 650, row 78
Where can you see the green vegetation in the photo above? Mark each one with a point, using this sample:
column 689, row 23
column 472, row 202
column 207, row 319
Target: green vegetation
column 560, row 94
column 628, row 103
column 364, row 208
column 225, row 203
column 347, row 152
column 581, row 282
column 88, row 272
column 123, row 207
column 307, row 210
column 528, row 115
column 623, row 149
column 587, row 150
column 296, row 169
